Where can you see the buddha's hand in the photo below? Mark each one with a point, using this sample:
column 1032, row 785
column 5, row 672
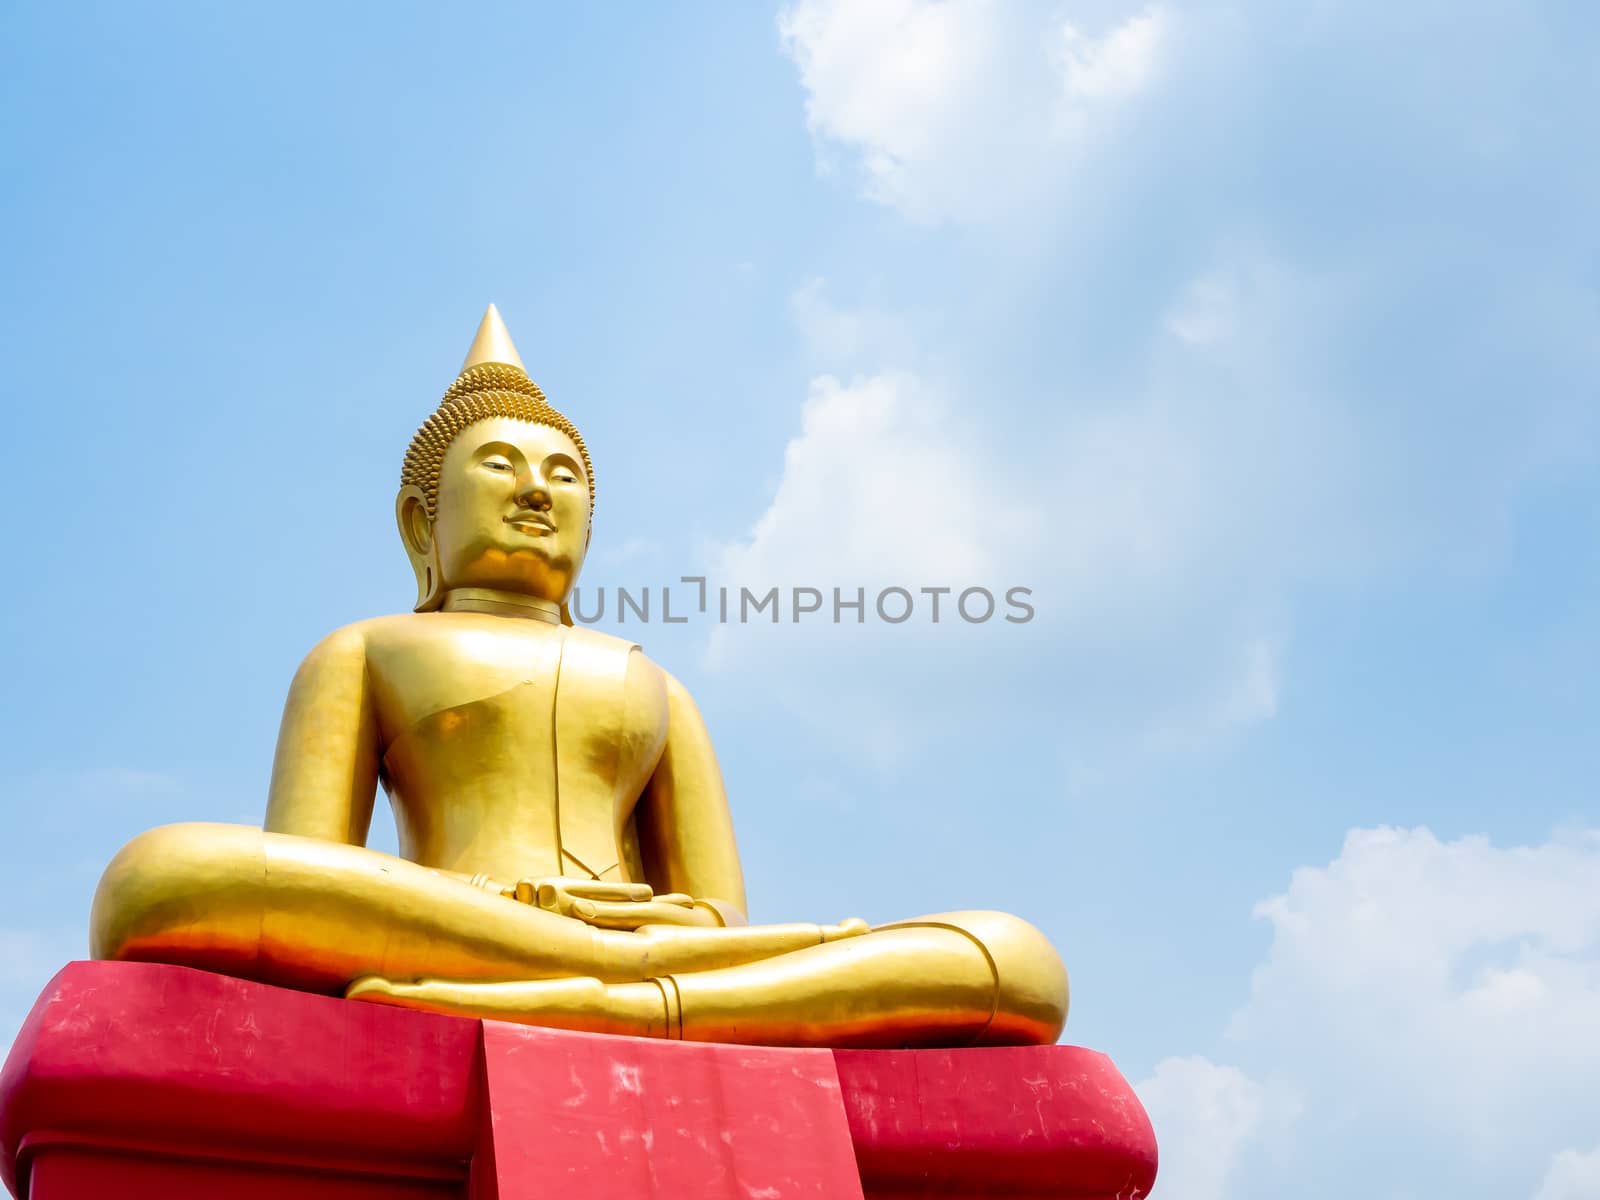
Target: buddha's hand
column 625, row 906
column 487, row 883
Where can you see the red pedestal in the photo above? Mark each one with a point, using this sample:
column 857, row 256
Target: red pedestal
column 142, row 1081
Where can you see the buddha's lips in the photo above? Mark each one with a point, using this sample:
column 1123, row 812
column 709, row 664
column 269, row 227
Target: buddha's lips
column 530, row 524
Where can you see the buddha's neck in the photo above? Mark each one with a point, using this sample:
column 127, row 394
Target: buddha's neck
column 501, row 604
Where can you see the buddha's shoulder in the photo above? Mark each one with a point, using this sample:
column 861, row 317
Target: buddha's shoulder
column 601, row 643
column 410, row 632
column 640, row 667
column 377, row 633
column 376, row 638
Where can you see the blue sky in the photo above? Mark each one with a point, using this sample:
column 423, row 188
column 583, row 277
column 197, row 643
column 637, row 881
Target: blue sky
column 1262, row 342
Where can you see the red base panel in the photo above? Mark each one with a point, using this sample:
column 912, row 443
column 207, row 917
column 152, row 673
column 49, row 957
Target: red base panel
column 148, row 1082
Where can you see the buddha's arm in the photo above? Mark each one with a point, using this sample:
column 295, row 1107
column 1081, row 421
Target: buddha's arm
column 685, row 829
column 325, row 772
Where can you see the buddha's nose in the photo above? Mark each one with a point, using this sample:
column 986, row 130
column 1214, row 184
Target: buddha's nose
column 532, row 493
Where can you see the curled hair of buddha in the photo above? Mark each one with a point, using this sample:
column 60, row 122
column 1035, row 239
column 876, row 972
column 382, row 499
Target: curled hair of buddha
column 480, row 392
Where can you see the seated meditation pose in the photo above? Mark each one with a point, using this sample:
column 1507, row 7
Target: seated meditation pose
column 567, row 855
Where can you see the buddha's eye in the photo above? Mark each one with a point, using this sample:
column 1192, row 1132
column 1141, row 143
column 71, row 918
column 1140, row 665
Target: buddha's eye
column 497, row 464
column 563, row 476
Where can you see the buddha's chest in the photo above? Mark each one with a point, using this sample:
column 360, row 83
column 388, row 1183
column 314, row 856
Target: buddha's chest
column 449, row 664
column 523, row 746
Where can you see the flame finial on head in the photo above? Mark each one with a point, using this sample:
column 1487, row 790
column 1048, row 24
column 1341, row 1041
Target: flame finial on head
column 493, row 344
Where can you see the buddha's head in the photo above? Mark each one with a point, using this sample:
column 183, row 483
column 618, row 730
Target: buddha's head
column 497, row 489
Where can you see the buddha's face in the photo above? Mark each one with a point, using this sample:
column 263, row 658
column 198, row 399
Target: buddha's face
column 513, row 510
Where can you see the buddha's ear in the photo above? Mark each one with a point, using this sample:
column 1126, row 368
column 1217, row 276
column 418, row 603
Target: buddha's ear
column 416, row 534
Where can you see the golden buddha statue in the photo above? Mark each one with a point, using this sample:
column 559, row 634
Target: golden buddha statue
column 568, row 858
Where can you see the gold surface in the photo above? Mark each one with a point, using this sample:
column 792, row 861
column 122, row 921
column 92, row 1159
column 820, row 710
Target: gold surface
column 567, row 852
column 492, row 344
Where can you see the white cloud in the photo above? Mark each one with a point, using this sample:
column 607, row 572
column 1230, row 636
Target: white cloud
column 879, row 487
column 1118, row 65
column 1255, row 423
column 1441, row 992
column 1205, row 1117
column 1573, row 1175
column 889, row 80
column 1165, row 518
column 884, row 486
column 1158, row 528
column 961, row 108
column 1424, row 1023
column 838, row 335
column 1338, row 354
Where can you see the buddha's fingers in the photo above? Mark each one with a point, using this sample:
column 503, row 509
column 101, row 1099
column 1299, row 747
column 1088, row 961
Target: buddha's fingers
column 558, row 894
column 632, row 916
column 611, row 893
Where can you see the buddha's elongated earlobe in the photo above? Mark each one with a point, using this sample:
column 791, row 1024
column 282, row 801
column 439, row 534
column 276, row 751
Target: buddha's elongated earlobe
column 416, row 532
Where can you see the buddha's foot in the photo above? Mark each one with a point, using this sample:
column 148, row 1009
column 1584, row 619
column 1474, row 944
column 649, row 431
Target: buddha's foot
column 649, row 1008
column 798, row 935
column 847, row 928
column 644, row 1009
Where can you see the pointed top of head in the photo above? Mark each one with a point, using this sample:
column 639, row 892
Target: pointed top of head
column 493, row 344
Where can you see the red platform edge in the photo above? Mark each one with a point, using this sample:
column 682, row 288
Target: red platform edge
column 142, row 1081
